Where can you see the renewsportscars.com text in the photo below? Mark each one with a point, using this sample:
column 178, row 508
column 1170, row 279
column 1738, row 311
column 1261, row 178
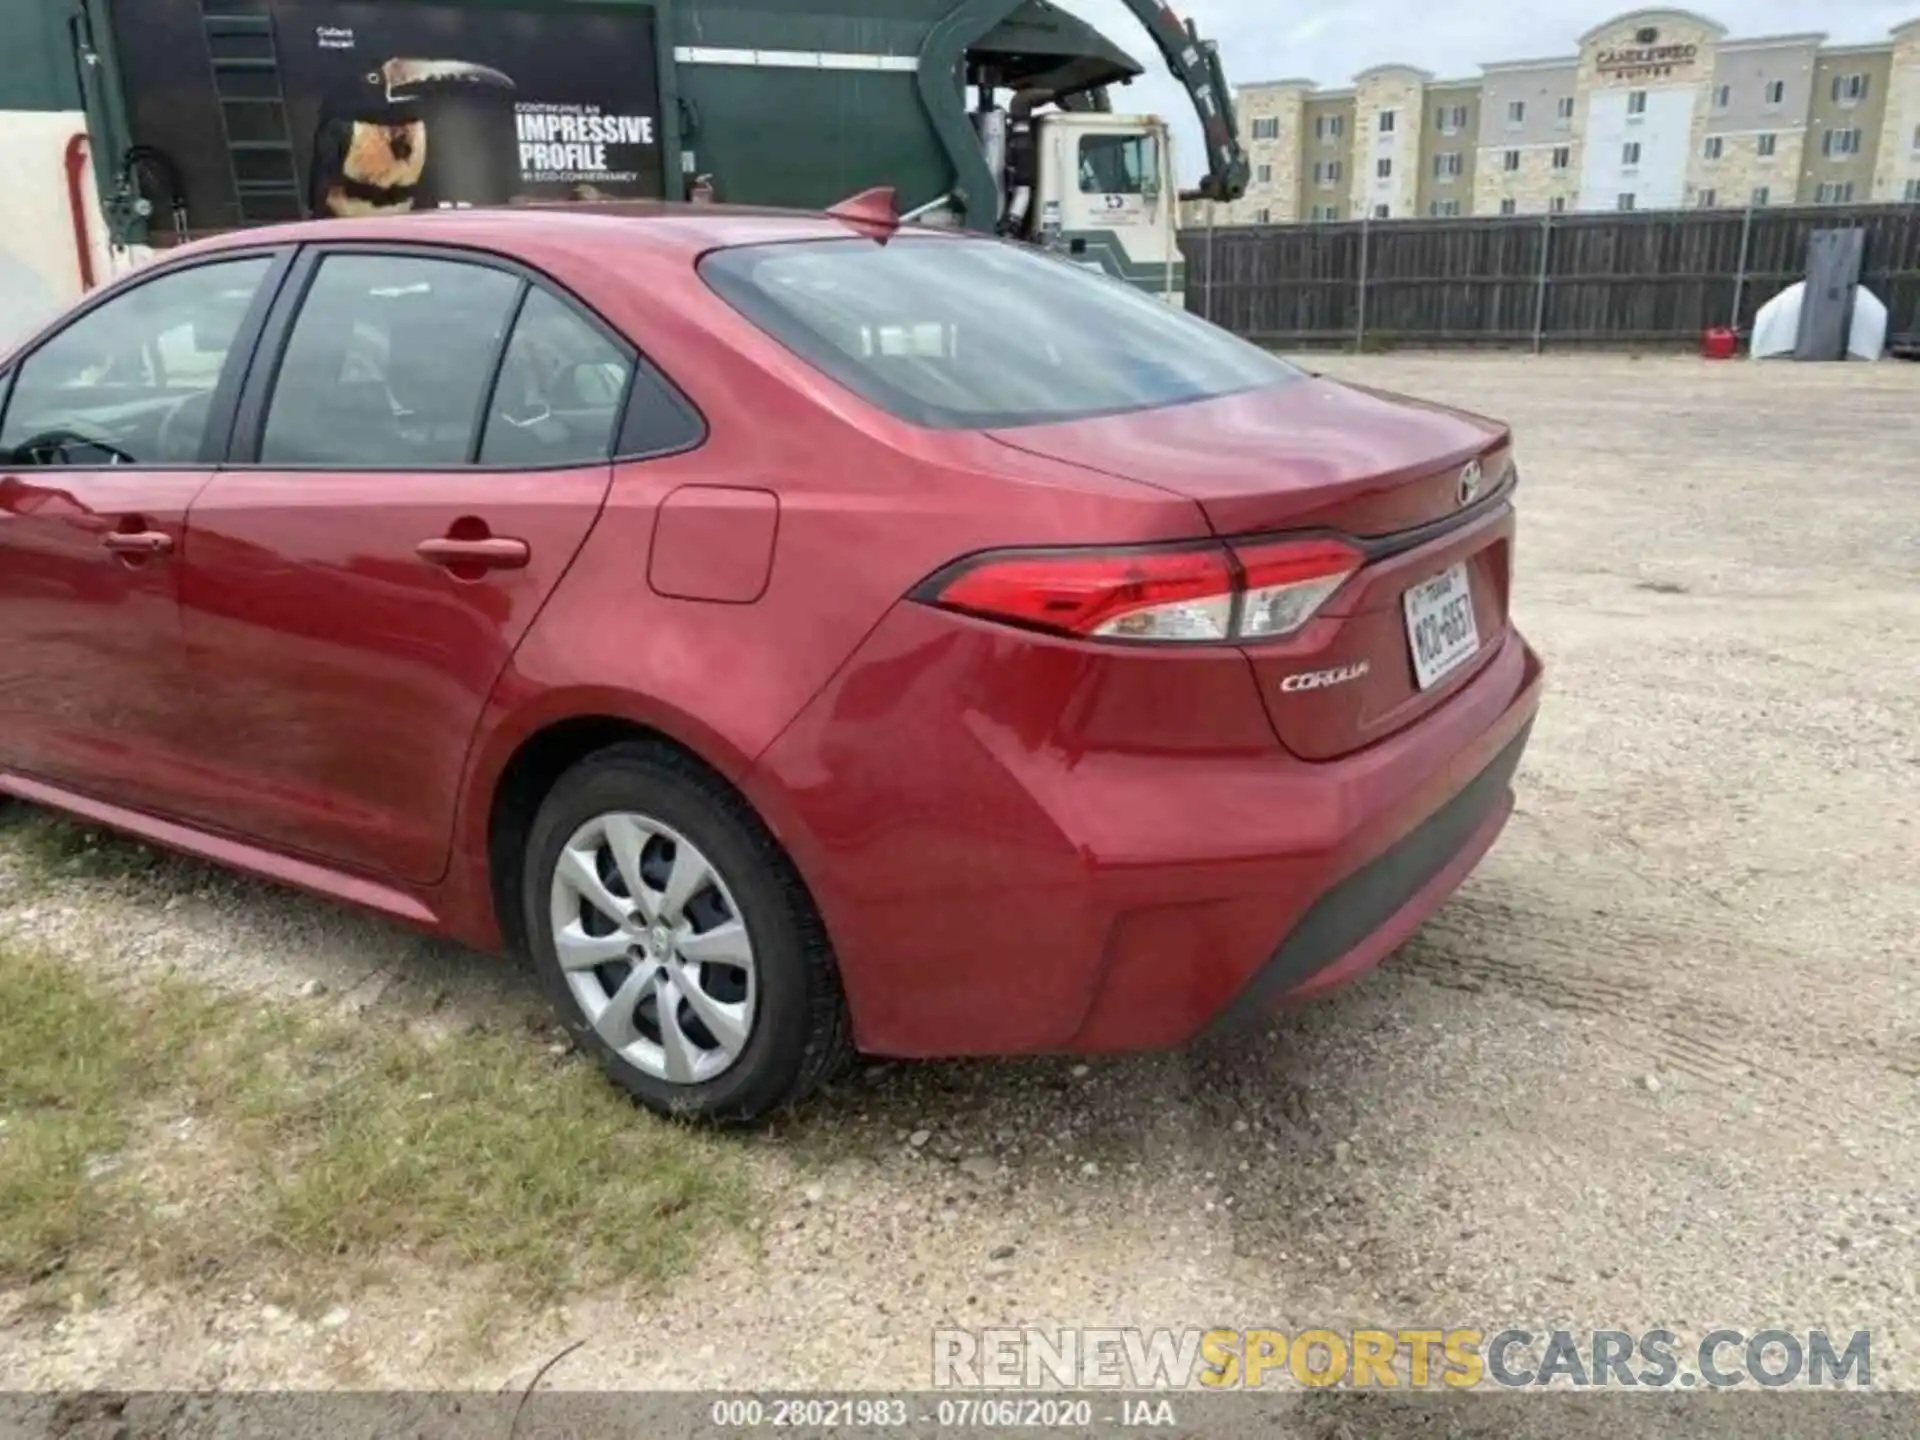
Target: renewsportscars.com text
column 1457, row 1358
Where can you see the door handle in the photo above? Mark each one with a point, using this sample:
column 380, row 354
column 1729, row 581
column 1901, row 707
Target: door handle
column 138, row 542
column 495, row 552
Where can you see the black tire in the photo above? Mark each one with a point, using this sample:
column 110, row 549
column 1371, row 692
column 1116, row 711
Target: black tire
column 800, row 1034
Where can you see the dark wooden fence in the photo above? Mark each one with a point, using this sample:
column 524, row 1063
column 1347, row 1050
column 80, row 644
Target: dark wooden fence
column 1647, row 278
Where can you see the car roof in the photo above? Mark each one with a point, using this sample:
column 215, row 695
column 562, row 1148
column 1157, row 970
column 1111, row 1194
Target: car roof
column 678, row 230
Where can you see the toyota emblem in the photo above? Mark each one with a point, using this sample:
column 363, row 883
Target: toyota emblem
column 1470, row 482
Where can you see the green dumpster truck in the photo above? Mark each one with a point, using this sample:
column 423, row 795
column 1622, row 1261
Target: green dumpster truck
column 995, row 115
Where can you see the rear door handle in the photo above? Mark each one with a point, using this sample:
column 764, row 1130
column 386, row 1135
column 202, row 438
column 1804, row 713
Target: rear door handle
column 138, row 542
column 495, row 552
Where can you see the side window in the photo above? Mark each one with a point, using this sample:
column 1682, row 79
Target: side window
column 388, row 363
column 1119, row 165
column 561, row 386
column 132, row 382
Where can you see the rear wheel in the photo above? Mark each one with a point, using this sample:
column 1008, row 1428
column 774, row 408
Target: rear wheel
column 676, row 941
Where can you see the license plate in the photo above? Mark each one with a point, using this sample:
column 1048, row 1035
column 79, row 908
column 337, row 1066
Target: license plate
column 1440, row 628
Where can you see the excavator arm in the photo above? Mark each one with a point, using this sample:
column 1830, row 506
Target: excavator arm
column 1196, row 64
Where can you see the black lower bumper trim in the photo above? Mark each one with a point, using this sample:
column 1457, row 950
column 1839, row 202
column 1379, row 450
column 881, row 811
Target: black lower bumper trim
column 1365, row 900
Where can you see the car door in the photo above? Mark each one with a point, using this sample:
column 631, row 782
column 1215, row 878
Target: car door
column 112, row 425
column 413, row 472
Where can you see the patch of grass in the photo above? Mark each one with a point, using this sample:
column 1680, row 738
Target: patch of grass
column 51, row 846
column 319, row 1147
column 473, row 1146
column 66, row 1066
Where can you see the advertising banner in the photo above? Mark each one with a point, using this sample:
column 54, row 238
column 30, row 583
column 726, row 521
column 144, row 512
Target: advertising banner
column 394, row 107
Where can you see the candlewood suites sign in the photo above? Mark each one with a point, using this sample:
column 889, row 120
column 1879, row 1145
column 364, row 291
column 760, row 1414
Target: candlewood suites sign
column 1646, row 59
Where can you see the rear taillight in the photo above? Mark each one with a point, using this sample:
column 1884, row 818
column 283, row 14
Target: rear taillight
column 1201, row 594
column 1287, row 581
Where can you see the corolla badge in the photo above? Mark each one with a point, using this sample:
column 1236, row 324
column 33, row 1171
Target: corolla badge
column 1321, row 679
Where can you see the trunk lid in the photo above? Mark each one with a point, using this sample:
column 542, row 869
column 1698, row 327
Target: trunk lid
column 1317, row 455
column 1297, row 456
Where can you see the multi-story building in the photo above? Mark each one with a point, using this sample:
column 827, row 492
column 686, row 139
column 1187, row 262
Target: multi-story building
column 1656, row 109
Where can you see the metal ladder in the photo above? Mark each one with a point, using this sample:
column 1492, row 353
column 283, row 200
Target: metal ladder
column 253, row 110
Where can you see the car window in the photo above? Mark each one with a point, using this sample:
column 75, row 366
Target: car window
column 561, row 385
column 957, row 333
column 131, row 382
column 388, row 363
column 1118, row 164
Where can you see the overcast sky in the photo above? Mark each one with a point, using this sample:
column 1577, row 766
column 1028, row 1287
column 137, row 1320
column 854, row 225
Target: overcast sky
column 1328, row 40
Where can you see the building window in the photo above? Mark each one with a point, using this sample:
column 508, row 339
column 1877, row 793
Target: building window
column 1386, row 122
column 1565, row 108
column 1516, row 114
column 1444, row 209
column 1834, row 192
column 1329, row 127
column 1761, row 195
column 1630, row 153
column 1263, row 175
column 1509, row 205
column 1326, row 172
column 1776, row 92
column 1636, row 102
column 1765, row 145
column 1557, row 205
column 1452, row 118
column 1913, row 191
column 1447, row 165
column 1849, row 89
column 1705, row 199
column 1263, row 216
column 1715, row 147
column 1267, row 127
column 1562, row 156
column 1510, row 161
column 1382, row 212
column 1722, row 97
column 1625, row 201
column 1841, row 142
column 1322, row 213
column 1383, row 169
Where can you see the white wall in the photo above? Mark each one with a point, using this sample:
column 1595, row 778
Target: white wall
column 1665, row 136
column 39, row 261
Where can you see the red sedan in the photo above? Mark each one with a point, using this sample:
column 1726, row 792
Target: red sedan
column 795, row 635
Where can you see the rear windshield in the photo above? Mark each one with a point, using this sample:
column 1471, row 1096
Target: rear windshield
column 972, row 334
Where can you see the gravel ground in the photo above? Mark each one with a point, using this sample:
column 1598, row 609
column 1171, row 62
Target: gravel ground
column 1658, row 1064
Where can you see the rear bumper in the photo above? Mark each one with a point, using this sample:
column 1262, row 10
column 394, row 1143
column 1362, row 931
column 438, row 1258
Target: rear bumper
column 1023, row 845
column 1365, row 917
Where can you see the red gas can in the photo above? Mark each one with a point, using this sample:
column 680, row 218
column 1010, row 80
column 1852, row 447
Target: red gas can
column 1720, row 343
